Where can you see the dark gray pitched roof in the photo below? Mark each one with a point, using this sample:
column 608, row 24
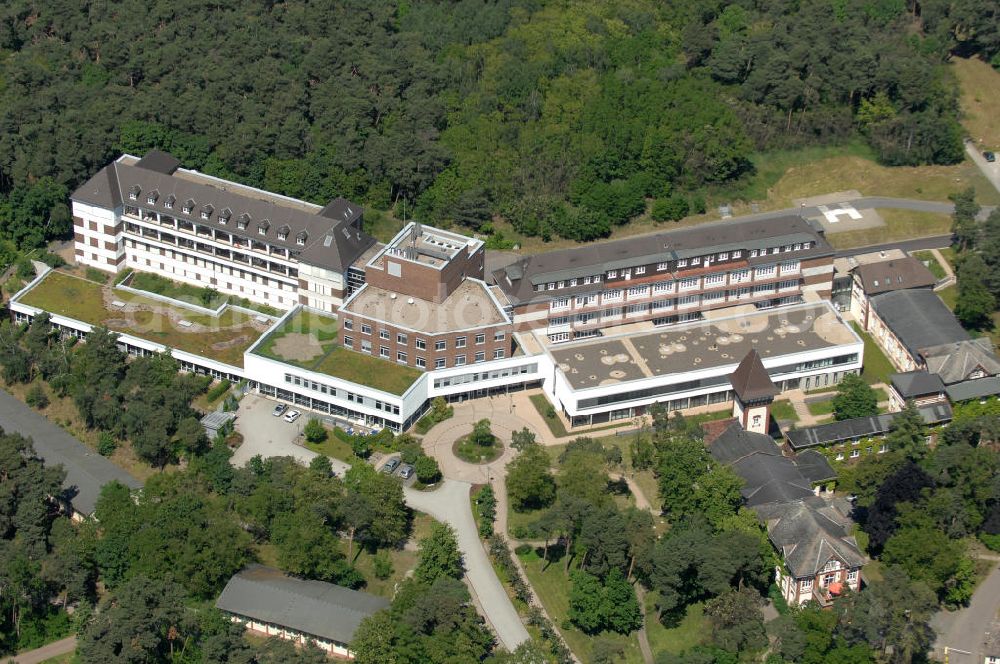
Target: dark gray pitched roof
column 859, row 427
column 101, row 190
column 311, row 607
column 954, row 362
column 809, row 533
column 159, row 161
column 768, row 476
column 974, row 389
column 598, row 257
column 156, row 172
column 86, row 470
column 918, row 318
column 913, row 384
column 814, row 466
column 895, row 274
column 750, row 380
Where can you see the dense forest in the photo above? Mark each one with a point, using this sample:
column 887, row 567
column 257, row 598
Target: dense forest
column 563, row 118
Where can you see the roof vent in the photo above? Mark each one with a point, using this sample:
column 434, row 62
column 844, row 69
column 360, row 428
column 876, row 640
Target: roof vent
column 392, row 296
column 409, row 300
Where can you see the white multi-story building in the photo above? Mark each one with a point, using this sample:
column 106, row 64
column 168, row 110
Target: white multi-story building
column 151, row 215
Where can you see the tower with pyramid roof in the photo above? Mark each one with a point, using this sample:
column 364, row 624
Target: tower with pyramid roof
column 753, row 393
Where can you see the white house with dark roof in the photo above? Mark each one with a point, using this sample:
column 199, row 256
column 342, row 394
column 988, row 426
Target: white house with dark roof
column 790, row 494
column 269, row 602
column 151, row 215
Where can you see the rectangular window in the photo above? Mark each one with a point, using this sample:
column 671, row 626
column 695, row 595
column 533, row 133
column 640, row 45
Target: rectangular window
column 481, row 356
column 441, row 344
column 366, row 329
column 383, row 334
column 401, row 338
column 572, row 282
column 640, row 270
column 459, row 342
column 586, row 281
column 737, row 253
column 459, row 360
column 421, row 362
column 401, row 357
column 855, row 454
column 500, row 335
column 421, row 344
column 753, row 253
column 852, row 576
column 480, row 339
column 660, row 267
column 807, row 585
column 682, row 262
column 349, row 342
column 383, row 351
column 696, row 261
column 612, row 274
column 498, row 354
column 724, row 256
column 366, row 346
column 439, row 363
column 348, row 324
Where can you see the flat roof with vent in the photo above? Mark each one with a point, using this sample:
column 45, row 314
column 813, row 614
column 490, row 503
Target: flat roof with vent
column 426, row 245
column 699, row 345
column 469, row 306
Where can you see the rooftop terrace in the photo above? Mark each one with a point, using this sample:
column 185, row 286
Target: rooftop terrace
column 469, row 306
column 223, row 338
column 308, row 340
column 700, row 345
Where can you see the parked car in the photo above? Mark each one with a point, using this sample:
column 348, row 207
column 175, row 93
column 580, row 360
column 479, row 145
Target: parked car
column 989, row 156
column 279, row 410
column 406, row 471
column 292, row 415
column 390, row 466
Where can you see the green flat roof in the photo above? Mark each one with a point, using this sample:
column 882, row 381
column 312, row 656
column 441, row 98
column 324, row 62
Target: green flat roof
column 223, row 338
column 308, row 340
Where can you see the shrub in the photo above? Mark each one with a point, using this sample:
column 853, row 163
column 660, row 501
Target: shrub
column 481, row 434
column 36, row 397
column 361, row 447
column 383, row 565
column 427, row 470
column 314, row 431
column 672, row 208
column 106, row 444
column 25, row 269
column 487, row 503
column 217, row 391
column 439, row 412
column 51, row 259
column 93, row 274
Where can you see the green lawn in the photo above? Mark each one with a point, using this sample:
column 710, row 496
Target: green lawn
column 899, row 225
column 334, row 448
column 551, row 584
column 692, row 630
column 782, row 409
column 928, row 259
column 335, row 360
column 473, row 453
column 877, row 366
column 154, row 283
column 818, row 408
column 227, row 337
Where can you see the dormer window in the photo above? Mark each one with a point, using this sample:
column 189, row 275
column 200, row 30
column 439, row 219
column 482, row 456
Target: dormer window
column 224, row 216
column 301, row 238
column 133, row 192
column 168, row 202
column 263, row 226
column 206, row 212
column 152, row 196
column 188, row 206
column 283, row 233
column 242, row 221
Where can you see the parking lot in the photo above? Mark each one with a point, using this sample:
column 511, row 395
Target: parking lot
column 269, row 435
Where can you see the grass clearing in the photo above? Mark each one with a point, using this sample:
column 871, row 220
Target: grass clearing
column 877, row 366
column 899, row 225
column 552, row 585
column 556, row 427
column 335, row 448
column 980, row 96
column 471, row 452
column 224, row 339
column 928, row 259
column 782, row 409
column 691, row 630
column 820, row 408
